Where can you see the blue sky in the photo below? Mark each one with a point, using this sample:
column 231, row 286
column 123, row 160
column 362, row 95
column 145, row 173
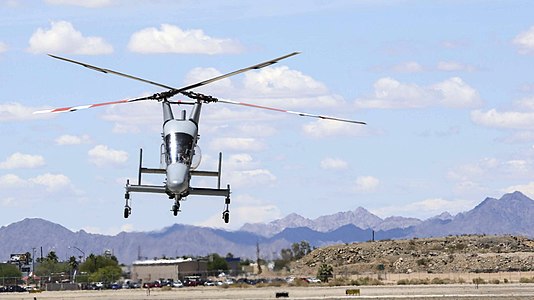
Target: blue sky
column 446, row 88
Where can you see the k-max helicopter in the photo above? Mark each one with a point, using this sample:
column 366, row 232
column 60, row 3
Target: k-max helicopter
column 180, row 155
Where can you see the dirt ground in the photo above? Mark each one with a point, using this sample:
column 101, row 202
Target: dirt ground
column 464, row 291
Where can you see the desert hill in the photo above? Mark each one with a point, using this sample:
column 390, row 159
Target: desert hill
column 467, row 253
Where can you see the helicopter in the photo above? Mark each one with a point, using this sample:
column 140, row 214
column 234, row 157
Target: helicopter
column 179, row 152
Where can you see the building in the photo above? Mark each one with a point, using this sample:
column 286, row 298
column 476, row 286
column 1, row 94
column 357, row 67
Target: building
column 151, row 270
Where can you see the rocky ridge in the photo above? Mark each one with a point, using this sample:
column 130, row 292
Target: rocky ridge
column 452, row 254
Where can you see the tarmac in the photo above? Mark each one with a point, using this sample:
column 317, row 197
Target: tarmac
column 452, row 291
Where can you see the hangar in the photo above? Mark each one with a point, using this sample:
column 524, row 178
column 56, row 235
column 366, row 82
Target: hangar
column 176, row 269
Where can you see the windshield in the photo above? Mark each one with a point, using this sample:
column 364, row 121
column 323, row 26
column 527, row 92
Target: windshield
column 179, row 148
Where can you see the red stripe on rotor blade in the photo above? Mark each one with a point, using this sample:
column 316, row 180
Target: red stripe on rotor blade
column 109, row 103
column 264, row 107
column 62, row 109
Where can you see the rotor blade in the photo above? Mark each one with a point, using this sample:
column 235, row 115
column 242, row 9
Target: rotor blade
column 255, row 67
column 302, row 114
column 182, row 89
column 75, row 108
column 111, row 72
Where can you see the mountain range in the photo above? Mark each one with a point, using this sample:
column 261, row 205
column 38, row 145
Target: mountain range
column 512, row 214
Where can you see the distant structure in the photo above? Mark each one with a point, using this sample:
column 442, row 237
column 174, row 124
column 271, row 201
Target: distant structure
column 176, row 269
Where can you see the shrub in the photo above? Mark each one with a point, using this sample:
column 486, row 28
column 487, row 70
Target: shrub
column 526, row 280
column 366, row 281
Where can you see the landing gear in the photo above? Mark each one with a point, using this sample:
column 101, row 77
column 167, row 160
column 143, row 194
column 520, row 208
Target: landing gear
column 226, row 212
column 226, row 216
column 127, row 208
column 176, row 206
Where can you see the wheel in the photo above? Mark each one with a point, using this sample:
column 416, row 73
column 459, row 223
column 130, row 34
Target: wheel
column 226, row 216
column 126, row 212
column 175, row 210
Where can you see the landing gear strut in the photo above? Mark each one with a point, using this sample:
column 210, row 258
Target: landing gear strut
column 226, row 212
column 127, row 208
column 176, row 207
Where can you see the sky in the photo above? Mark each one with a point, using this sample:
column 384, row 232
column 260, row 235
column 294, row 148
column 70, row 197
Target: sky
column 446, row 88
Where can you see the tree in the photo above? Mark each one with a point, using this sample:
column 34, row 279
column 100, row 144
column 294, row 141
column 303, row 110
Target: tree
column 10, row 273
column 106, row 274
column 95, row 262
column 217, row 263
column 300, row 249
column 324, row 272
column 286, row 254
column 50, row 265
column 52, row 256
column 73, row 263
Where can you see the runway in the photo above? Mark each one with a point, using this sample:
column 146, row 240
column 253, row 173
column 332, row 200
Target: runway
column 463, row 291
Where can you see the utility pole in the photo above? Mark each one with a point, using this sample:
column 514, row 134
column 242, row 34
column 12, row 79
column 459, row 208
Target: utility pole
column 33, row 261
column 258, row 257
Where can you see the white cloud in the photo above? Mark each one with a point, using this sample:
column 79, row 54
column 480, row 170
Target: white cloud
column 62, row 37
column 11, row 181
column 327, row 128
column 282, row 82
column 519, row 137
column 52, row 182
column 3, row 47
column 257, row 130
column 18, row 112
column 245, row 209
column 452, row 66
column 68, row 139
column 392, row 94
column 242, row 160
column 172, row 39
column 425, row 208
column 526, row 103
column 198, row 74
column 134, row 117
column 471, row 177
column 243, row 171
column 525, row 41
column 102, row 155
column 109, row 231
column 82, row 3
column 237, row 144
column 253, row 177
column 527, row 189
column 330, row 163
column 408, row 67
column 366, row 183
column 9, row 202
column 22, row 161
column 510, row 120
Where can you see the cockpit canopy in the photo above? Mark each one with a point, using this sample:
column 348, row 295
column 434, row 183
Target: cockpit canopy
column 179, row 148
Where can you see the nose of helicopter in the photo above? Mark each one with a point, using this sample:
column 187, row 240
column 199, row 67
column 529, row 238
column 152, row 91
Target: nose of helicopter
column 177, row 178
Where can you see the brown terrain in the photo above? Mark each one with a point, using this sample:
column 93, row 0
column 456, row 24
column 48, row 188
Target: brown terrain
column 452, row 254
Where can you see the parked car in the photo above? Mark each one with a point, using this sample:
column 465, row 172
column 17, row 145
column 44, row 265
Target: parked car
column 177, row 284
column 115, row 286
column 209, row 283
column 313, row 280
column 154, row 284
column 16, row 288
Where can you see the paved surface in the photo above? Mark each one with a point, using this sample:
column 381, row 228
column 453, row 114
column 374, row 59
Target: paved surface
column 463, row 292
